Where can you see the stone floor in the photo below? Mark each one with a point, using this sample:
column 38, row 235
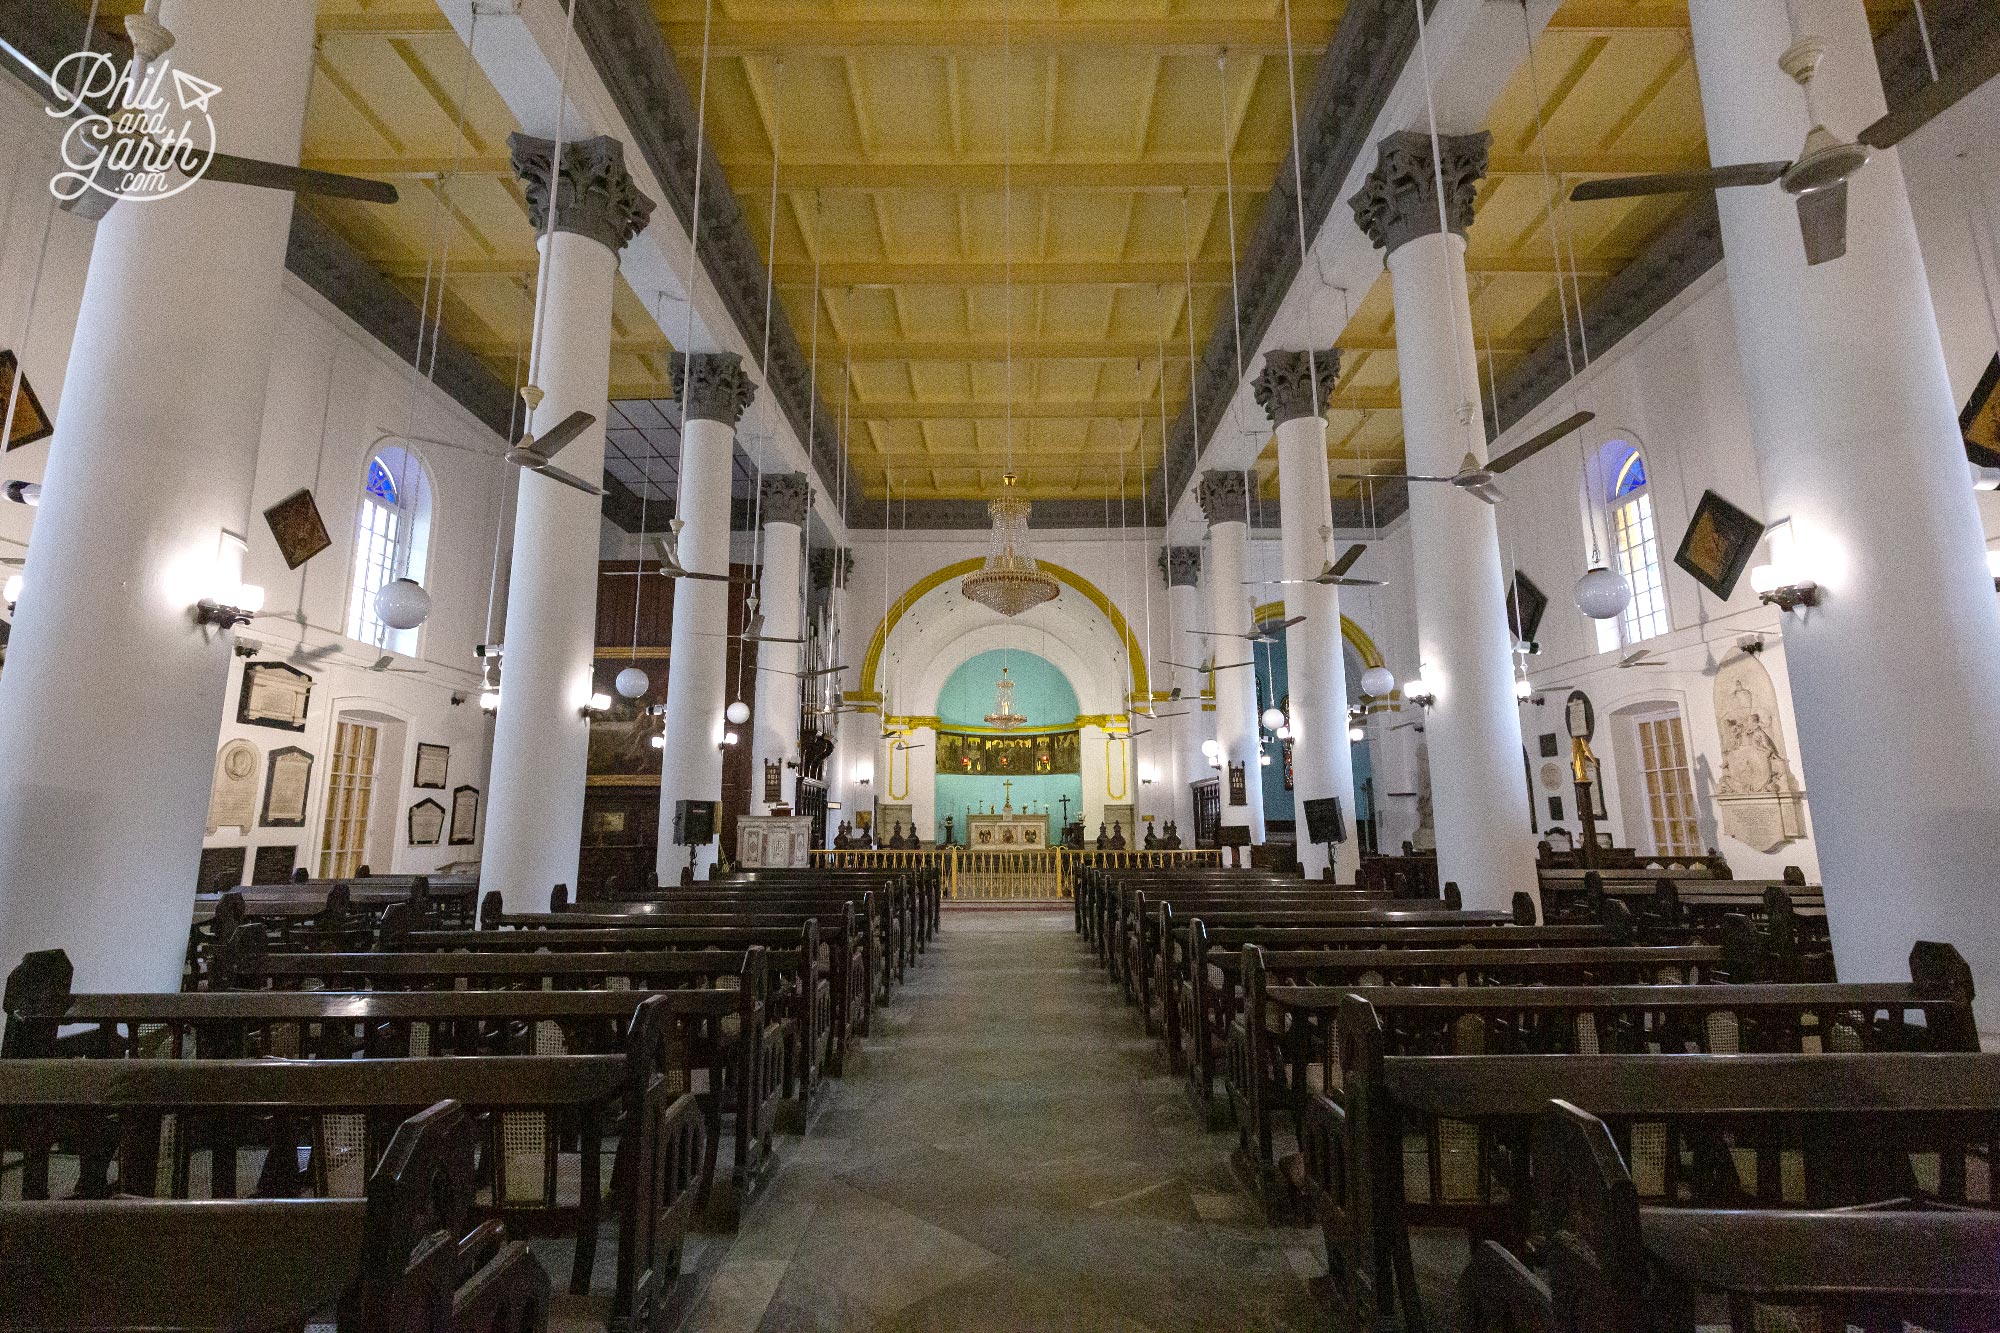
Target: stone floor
column 1010, row 1154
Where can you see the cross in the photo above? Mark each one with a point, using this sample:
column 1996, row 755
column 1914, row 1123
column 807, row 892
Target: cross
column 1009, row 785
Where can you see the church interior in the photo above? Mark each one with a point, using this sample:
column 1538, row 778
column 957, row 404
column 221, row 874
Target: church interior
column 1000, row 664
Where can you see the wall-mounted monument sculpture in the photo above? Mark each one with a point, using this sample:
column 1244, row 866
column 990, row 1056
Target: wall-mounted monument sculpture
column 1757, row 794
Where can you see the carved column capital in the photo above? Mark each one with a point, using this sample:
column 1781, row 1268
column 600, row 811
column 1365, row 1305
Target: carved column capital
column 713, row 386
column 1180, row 566
column 1224, row 497
column 786, row 497
column 1399, row 201
column 595, row 196
column 1286, row 387
column 831, row 567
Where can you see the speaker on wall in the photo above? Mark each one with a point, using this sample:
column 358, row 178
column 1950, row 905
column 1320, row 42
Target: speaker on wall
column 694, row 823
column 1323, row 822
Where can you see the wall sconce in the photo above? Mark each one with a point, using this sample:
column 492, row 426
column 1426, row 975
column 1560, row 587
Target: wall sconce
column 1522, row 689
column 489, row 699
column 224, row 610
column 1357, row 734
column 658, row 742
column 1779, row 587
column 1212, row 751
column 1983, row 478
column 1417, row 690
column 1993, row 566
column 29, row 493
column 1263, row 758
column 598, row 703
column 12, row 592
column 864, row 772
column 1148, row 774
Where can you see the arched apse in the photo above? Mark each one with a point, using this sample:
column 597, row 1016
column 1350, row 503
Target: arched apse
column 943, row 616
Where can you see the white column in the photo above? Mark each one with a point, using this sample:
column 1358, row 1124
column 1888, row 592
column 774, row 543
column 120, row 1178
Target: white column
column 775, row 737
column 113, row 698
column 541, row 738
column 1315, row 664
column 1857, row 443
column 1466, row 654
column 714, row 393
column 1182, row 567
column 1225, row 499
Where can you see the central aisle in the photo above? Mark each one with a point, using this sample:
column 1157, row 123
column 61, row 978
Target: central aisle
column 1010, row 1154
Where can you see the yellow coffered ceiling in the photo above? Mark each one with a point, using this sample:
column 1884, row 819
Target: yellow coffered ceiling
column 898, row 128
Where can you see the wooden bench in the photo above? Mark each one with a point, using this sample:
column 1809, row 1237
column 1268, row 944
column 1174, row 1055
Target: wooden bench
column 322, row 1125
column 1615, row 1266
column 407, row 1258
column 1288, row 996
column 746, row 1045
column 1471, row 1111
column 924, row 880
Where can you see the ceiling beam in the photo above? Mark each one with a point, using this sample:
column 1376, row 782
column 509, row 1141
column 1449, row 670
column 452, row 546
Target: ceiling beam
column 959, row 273
column 403, row 24
column 1024, row 349
column 1124, row 409
column 1140, row 37
column 957, row 174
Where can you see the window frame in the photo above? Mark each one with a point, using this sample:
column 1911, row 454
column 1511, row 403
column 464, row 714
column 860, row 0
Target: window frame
column 1632, row 534
column 391, row 541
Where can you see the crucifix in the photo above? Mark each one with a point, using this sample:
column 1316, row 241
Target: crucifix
column 1009, row 786
column 1063, row 801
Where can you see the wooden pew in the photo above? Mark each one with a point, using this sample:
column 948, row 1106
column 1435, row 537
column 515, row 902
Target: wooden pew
column 407, row 1258
column 1288, row 997
column 925, row 882
column 117, row 1110
column 1472, row 1110
column 747, row 1044
column 1615, row 1266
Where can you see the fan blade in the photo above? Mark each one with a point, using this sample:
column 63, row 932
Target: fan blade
column 320, row 654
column 1288, row 623
column 384, row 662
column 1349, row 556
column 1679, row 182
column 708, row 578
column 1823, row 223
column 233, row 170
column 1388, row 476
column 1487, row 492
column 765, row 638
column 1971, row 69
column 557, row 474
column 1521, row 453
column 1229, row 666
column 1352, row 583
column 1133, row 735
column 551, row 443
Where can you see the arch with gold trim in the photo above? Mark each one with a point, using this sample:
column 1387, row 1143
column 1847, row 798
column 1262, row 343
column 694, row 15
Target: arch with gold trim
column 916, row 592
column 1371, row 656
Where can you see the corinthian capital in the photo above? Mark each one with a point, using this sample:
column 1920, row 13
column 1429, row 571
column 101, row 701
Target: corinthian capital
column 595, row 196
column 1296, row 384
column 1224, row 497
column 713, row 387
column 1399, row 201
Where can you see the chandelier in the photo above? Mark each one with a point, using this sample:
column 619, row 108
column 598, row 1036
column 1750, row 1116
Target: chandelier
column 1010, row 582
column 1003, row 715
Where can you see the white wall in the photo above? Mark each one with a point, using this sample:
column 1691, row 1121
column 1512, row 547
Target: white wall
column 332, row 390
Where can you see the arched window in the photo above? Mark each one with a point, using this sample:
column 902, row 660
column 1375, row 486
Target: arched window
column 1634, row 547
column 391, row 541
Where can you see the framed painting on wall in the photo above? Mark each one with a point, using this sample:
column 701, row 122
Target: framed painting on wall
column 221, row 868
column 1718, row 544
column 432, row 763
column 297, row 528
column 30, row 423
column 426, row 823
column 1980, row 421
column 465, row 816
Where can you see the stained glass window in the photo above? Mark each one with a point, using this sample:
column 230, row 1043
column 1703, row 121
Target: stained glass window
column 380, row 484
column 1636, row 545
column 1631, row 477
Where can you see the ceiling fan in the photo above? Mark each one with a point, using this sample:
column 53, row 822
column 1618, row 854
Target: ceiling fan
column 386, row 665
column 1818, row 177
column 1641, row 658
column 668, row 544
column 1206, row 667
column 1334, row 575
column 1477, row 479
column 534, row 453
column 803, row 675
column 904, row 747
column 1267, row 633
column 227, row 168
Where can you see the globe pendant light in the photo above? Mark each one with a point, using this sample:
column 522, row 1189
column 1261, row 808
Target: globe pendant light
column 738, row 712
column 1378, row 682
column 632, row 682
column 402, row 604
column 1273, row 718
column 1602, row 593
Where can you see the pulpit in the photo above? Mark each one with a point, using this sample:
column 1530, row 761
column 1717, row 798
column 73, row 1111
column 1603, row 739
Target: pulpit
column 772, row 842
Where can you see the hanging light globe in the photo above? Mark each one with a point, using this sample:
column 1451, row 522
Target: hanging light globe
column 1212, row 749
column 1273, row 718
column 738, row 712
column 403, row 604
column 1378, row 682
column 632, row 682
column 1602, row 593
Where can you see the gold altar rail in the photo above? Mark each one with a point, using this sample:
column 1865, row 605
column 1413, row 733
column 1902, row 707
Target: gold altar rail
column 975, row 873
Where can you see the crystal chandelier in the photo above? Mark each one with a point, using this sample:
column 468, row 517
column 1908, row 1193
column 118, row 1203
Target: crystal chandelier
column 1010, row 582
column 1003, row 715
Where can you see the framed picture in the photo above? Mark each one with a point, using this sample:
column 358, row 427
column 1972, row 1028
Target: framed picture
column 274, row 695
column 287, row 779
column 432, row 761
column 1579, row 716
column 1980, row 421
column 1718, row 543
column 465, row 817
column 297, row 528
column 221, row 869
column 273, row 864
column 1525, row 605
column 1598, row 809
column 426, row 823
column 1549, row 745
column 31, row 423
column 1239, row 790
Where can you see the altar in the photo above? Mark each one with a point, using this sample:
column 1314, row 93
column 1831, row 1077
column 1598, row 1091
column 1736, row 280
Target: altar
column 1007, row 827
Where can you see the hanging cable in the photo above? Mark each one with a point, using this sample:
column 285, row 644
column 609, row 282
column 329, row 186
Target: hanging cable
column 694, row 217
column 1229, row 211
column 555, row 183
column 1451, row 292
column 1299, row 201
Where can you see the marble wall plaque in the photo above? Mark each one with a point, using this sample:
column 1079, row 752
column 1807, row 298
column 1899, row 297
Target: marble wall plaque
column 287, row 781
column 1757, row 795
column 232, row 794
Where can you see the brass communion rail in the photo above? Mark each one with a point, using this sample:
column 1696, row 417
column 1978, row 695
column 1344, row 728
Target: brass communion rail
column 987, row 873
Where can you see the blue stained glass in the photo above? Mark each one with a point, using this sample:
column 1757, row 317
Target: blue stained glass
column 1632, row 477
column 380, row 484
